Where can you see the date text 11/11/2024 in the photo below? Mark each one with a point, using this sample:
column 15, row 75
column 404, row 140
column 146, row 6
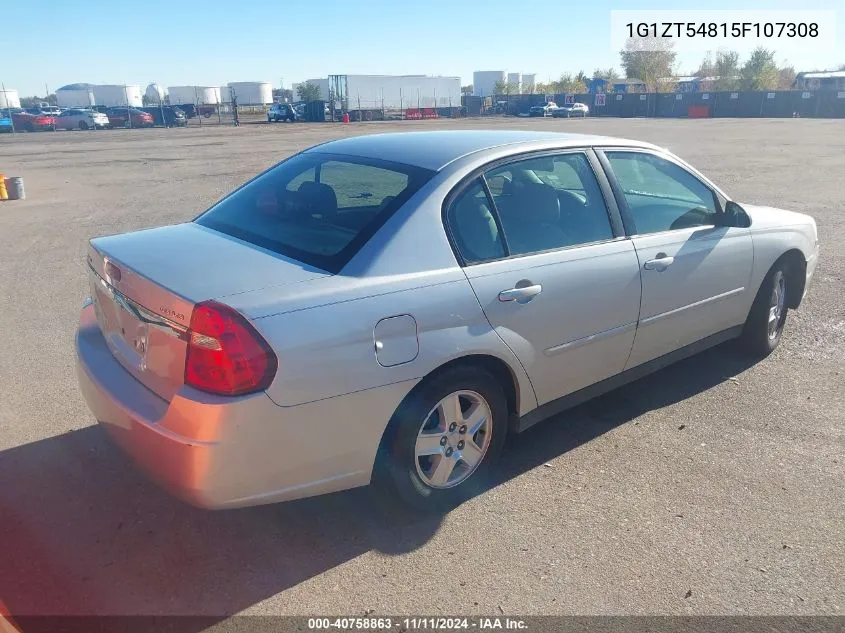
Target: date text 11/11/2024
column 679, row 30
column 408, row 625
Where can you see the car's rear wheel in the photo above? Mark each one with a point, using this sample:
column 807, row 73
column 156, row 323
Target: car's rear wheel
column 440, row 444
column 764, row 326
column 83, row 125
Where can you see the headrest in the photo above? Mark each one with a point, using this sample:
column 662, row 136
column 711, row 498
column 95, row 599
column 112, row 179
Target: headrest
column 318, row 197
column 538, row 203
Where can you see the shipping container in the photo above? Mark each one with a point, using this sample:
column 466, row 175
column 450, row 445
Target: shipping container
column 394, row 92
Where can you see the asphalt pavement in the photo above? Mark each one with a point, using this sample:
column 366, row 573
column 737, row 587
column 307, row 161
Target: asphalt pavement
column 713, row 487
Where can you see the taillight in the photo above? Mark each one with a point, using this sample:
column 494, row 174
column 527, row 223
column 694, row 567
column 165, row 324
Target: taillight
column 225, row 354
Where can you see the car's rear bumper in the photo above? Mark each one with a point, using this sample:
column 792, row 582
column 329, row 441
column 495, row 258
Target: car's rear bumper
column 217, row 452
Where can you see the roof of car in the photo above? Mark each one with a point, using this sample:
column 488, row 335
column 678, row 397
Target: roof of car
column 436, row 149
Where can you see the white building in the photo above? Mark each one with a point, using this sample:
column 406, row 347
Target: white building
column 118, row 95
column 484, row 82
column 75, row 96
column 9, row 98
column 155, row 94
column 202, row 95
column 252, row 92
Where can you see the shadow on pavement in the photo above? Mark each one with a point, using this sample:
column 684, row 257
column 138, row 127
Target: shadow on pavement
column 82, row 532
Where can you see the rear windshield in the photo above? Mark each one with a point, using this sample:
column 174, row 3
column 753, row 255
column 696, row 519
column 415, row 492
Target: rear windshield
column 317, row 208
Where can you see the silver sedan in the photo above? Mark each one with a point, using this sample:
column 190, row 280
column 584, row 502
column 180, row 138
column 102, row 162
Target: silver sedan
column 388, row 308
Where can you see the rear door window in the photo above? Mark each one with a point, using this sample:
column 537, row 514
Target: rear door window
column 317, row 208
column 549, row 202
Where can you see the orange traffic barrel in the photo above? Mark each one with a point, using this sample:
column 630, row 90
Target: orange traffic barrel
column 346, row 117
column 4, row 195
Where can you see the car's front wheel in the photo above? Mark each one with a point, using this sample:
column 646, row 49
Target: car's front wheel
column 440, row 444
column 764, row 326
column 83, row 125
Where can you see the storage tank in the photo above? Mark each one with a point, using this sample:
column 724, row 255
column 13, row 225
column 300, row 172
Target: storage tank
column 529, row 82
column 484, row 82
column 75, row 96
column 118, row 95
column 253, row 92
column 209, row 95
column 155, row 94
column 515, row 80
column 9, row 98
column 225, row 94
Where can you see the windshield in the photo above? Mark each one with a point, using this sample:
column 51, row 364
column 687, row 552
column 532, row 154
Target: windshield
column 317, row 208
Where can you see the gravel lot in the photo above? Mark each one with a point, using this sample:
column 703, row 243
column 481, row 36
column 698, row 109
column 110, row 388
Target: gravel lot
column 713, row 487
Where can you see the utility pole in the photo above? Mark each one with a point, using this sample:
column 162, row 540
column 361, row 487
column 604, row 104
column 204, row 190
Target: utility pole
column 6, row 100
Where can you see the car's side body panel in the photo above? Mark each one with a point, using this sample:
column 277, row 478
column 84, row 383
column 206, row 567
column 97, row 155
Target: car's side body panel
column 330, row 349
column 580, row 327
column 700, row 293
column 776, row 231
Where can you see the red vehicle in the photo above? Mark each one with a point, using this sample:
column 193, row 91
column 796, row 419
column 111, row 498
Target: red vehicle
column 24, row 121
column 120, row 117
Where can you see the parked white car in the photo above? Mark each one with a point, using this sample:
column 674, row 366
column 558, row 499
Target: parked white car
column 80, row 119
column 547, row 109
column 568, row 110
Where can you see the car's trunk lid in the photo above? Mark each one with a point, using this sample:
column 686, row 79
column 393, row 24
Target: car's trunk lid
column 145, row 285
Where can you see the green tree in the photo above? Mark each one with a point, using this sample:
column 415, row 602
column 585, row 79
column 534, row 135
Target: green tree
column 786, row 78
column 505, row 88
column 466, row 90
column 760, row 71
column 32, row 102
column 608, row 74
column 707, row 68
column 308, row 91
column 726, row 68
column 583, row 81
column 648, row 59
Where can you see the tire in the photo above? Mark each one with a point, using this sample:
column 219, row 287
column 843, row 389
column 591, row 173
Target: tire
column 83, row 125
column 764, row 326
column 403, row 475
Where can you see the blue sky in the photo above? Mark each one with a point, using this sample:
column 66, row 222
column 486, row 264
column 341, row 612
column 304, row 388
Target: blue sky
column 208, row 42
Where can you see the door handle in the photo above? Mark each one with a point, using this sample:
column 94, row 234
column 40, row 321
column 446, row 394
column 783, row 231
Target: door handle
column 659, row 263
column 521, row 294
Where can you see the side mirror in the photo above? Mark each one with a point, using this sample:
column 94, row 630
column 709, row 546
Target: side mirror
column 735, row 216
